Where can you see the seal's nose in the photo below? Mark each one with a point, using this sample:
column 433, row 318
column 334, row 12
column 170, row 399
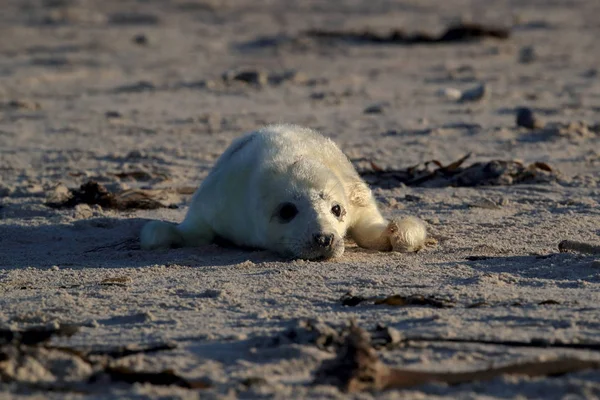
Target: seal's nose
column 323, row 239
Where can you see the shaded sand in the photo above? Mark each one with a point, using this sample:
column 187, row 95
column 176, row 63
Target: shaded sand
column 90, row 90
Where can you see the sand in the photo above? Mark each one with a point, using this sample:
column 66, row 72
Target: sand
column 89, row 90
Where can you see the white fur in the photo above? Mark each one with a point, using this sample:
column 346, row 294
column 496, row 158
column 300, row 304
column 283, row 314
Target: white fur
column 241, row 199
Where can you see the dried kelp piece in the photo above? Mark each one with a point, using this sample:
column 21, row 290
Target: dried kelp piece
column 116, row 281
column 253, row 381
column 398, row 300
column 478, row 304
column 258, row 77
column 89, row 193
column 434, row 174
column 138, row 199
column 250, row 76
column 124, row 351
column 457, row 33
column 94, row 193
column 163, row 378
column 479, row 258
column 548, row 302
column 414, row 300
column 35, row 335
column 358, row 368
column 139, row 175
column 352, row 301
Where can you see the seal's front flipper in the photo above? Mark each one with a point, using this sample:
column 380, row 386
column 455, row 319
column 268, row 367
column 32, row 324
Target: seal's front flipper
column 194, row 231
column 371, row 231
column 165, row 235
column 160, row 235
column 407, row 234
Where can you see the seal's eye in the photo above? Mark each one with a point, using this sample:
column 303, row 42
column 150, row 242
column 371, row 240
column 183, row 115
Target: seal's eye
column 336, row 210
column 287, row 212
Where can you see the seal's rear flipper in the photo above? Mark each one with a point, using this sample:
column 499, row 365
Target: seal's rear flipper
column 160, row 235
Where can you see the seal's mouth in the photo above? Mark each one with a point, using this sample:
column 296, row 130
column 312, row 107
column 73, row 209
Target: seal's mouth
column 313, row 251
column 318, row 253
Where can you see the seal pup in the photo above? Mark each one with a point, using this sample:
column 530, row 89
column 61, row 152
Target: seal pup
column 287, row 189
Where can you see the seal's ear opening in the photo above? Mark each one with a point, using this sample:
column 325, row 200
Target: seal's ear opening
column 286, row 212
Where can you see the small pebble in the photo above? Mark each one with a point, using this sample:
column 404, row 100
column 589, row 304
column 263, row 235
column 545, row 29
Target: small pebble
column 412, row 197
column 527, row 54
column 292, row 76
column 527, row 119
column 474, row 94
column 250, row 76
column 140, row 39
column 450, row 93
column 135, row 154
column 112, row 114
column 5, row 191
column 59, row 194
column 318, row 95
column 83, row 211
column 375, row 108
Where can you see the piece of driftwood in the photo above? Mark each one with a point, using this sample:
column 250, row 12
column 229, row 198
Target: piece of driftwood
column 533, row 343
column 357, row 368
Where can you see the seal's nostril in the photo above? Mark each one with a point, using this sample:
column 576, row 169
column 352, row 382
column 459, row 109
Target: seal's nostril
column 323, row 239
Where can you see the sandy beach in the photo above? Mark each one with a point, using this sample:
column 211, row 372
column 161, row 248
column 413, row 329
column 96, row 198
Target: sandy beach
column 143, row 96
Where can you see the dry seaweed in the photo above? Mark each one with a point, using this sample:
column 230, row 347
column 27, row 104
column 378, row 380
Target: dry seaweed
column 434, row 174
column 139, row 176
column 414, row 300
column 94, row 193
column 421, row 300
column 116, row 281
column 548, row 302
column 458, row 33
column 352, row 301
column 398, row 301
column 124, row 351
column 357, row 368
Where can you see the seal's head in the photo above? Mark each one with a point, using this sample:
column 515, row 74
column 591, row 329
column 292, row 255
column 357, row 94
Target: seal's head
column 307, row 206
